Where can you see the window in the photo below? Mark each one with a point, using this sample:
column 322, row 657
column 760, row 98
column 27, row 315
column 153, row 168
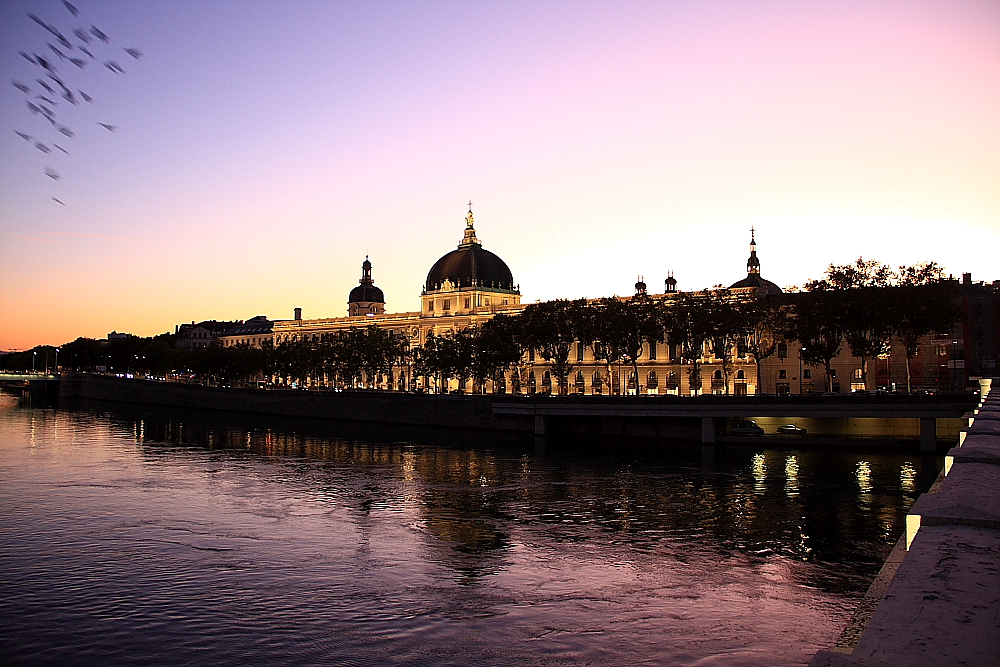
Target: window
column 430, row 306
column 782, row 374
column 833, row 372
column 717, row 375
column 807, row 374
column 446, row 305
column 740, row 375
column 579, row 352
column 782, row 350
column 531, row 354
column 652, row 349
column 468, row 302
column 652, row 382
column 596, row 382
column 858, row 374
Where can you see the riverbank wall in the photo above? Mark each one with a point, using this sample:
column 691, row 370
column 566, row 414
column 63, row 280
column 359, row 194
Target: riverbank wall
column 453, row 411
column 940, row 589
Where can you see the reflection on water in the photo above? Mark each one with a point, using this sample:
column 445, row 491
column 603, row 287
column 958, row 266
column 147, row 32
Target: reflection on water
column 155, row 537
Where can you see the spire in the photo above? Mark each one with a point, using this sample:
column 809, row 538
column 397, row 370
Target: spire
column 753, row 264
column 366, row 272
column 469, row 239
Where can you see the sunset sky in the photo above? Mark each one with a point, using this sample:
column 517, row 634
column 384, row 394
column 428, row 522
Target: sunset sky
column 262, row 149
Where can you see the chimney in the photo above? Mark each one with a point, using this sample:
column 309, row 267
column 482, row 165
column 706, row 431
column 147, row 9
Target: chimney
column 967, row 278
column 298, row 313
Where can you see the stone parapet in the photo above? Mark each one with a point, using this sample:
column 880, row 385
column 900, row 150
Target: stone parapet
column 942, row 606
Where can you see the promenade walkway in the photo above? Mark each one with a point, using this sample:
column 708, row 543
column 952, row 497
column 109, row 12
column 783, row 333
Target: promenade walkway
column 941, row 600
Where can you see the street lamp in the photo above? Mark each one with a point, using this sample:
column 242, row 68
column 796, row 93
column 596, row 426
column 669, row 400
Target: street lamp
column 954, row 364
column 34, row 355
column 57, row 361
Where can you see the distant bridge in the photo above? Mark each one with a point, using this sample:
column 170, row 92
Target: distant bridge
column 716, row 411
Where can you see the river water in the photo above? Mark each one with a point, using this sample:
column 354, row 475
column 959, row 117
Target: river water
column 149, row 537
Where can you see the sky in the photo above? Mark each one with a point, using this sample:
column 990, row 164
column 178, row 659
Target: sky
column 261, row 150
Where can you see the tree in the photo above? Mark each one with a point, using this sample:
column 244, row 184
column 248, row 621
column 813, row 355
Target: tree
column 767, row 323
column 867, row 320
column 551, row 328
column 817, row 322
column 729, row 326
column 689, row 323
column 919, row 309
column 497, row 348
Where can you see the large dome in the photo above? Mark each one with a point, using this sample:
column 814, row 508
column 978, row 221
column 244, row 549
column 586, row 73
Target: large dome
column 470, row 266
column 754, row 280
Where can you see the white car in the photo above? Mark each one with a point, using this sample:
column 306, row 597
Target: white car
column 791, row 429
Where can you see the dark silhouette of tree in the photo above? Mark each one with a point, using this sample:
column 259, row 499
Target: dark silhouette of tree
column 923, row 303
column 689, row 324
column 551, row 328
column 497, row 348
column 767, row 323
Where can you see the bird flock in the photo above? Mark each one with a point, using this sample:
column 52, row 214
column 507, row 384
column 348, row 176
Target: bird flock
column 52, row 87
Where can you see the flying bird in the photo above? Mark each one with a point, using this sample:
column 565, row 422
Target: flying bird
column 44, row 63
column 96, row 32
column 114, row 66
column 58, row 201
column 65, row 130
column 42, row 147
column 34, row 108
column 26, row 137
column 134, row 52
column 68, row 96
column 52, row 173
column 72, row 10
column 61, row 148
column 85, row 96
column 82, row 35
column 58, row 35
column 20, row 86
column 109, row 128
column 30, row 59
column 79, row 62
column 45, row 99
column 62, row 56
column 84, row 50
column 45, row 86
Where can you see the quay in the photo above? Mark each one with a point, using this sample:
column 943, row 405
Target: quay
column 937, row 600
column 867, row 418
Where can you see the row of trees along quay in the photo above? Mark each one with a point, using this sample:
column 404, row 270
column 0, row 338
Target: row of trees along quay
column 861, row 306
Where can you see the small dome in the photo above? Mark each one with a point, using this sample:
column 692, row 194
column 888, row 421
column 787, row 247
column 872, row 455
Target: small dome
column 367, row 293
column 754, row 280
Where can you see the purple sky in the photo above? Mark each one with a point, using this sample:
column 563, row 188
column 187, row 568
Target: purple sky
column 262, row 149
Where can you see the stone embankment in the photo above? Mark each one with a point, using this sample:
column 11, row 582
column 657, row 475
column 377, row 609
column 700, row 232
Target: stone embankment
column 941, row 601
column 456, row 411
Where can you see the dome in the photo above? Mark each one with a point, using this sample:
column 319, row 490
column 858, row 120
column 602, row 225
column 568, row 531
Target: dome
column 366, row 293
column 471, row 266
column 754, row 280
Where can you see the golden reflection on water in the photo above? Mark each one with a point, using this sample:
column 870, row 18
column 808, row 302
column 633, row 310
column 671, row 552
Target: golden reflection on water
column 791, row 475
column 759, row 470
column 907, row 477
column 863, row 473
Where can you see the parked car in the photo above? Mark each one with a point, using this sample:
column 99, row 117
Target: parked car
column 791, row 429
column 745, row 427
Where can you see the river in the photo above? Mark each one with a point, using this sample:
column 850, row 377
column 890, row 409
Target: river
column 134, row 536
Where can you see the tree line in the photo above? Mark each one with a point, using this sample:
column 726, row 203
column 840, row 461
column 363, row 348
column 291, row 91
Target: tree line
column 862, row 306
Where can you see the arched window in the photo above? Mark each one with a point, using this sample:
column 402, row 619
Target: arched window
column 596, row 382
column 531, row 382
column 632, row 380
column 547, row 382
column 652, row 382
column 717, row 375
column 501, row 385
column 858, row 374
column 580, row 382
column 740, row 375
